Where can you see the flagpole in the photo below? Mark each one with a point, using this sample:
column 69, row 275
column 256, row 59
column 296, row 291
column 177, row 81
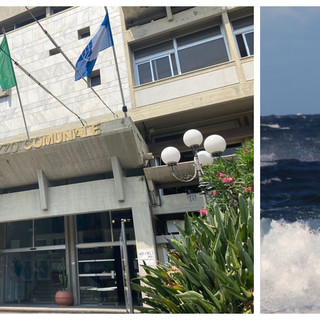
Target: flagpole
column 20, row 102
column 23, row 116
column 124, row 108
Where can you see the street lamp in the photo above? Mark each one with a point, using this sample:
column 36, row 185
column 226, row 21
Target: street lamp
column 214, row 146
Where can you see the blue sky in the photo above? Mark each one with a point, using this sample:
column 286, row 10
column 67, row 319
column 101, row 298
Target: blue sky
column 290, row 60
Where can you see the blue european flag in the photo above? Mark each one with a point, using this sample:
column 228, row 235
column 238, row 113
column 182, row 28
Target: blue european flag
column 100, row 41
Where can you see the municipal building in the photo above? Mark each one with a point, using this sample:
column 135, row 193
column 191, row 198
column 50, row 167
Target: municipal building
column 66, row 184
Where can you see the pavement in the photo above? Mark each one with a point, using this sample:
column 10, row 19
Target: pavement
column 58, row 309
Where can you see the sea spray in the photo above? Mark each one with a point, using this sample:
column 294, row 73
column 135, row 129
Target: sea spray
column 290, row 260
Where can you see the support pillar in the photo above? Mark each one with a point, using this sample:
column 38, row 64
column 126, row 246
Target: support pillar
column 144, row 231
column 72, row 258
column 118, row 175
column 44, row 184
column 232, row 46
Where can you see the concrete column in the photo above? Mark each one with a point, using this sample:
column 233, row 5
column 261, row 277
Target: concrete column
column 118, row 175
column 169, row 13
column 2, row 264
column 143, row 226
column 2, row 271
column 72, row 258
column 232, row 46
column 43, row 189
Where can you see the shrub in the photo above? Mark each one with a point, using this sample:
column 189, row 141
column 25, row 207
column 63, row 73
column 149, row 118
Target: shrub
column 210, row 269
column 226, row 179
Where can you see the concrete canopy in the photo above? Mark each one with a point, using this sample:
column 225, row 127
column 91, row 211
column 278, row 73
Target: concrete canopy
column 79, row 157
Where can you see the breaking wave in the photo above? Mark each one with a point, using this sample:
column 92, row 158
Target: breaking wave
column 290, row 273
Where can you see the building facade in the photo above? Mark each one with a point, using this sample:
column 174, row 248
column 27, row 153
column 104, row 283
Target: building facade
column 66, row 187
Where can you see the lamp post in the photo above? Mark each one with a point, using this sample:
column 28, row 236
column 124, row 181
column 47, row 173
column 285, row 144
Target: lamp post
column 214, row 146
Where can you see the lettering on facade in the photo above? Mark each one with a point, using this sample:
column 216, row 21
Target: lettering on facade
column 51, row 139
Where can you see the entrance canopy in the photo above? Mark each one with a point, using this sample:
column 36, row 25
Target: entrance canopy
column 73, row 152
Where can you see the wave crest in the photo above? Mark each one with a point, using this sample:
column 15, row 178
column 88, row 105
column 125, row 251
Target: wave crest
column 290, row 275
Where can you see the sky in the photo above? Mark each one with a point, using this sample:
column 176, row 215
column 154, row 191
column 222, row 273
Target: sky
column 289, row 65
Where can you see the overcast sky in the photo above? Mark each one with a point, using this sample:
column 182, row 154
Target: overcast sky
column 290, row 60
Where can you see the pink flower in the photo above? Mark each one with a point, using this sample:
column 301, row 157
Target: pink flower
column 203, row 212
column 214, row 193
column 246, row 149
column 249, row 189
column 228, row 180
column 221, row 175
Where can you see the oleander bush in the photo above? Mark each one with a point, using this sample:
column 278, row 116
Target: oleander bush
column 226, row 179
column 210, row 268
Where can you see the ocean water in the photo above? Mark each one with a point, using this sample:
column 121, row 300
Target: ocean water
column 290, row 214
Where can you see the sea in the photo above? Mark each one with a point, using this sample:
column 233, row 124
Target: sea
column 290, row 214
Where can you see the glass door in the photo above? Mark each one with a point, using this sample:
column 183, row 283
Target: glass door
column 32, row 277
column 98, row 276
column 32, row 251
column 99, row 261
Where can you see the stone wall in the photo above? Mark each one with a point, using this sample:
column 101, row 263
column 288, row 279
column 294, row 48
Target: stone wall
column 30, row 47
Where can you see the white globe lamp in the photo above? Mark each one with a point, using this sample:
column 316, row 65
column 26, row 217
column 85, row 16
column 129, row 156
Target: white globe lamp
column 205, row 158
column 215, row 144
column 170, row 156
column 192, row 138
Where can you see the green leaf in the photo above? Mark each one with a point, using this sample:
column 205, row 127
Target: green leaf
column 243, row 207
column 187, row 224
column 212, row 234
column 246, row 292
column 203, row 277
column 234, row 292
column 212, row 297
column 199, row 300
column 192, row 276
column 220, row 223
column 191, row 254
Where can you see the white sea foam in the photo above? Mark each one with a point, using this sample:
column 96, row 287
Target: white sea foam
column 290, row 273
column 275, row 126
column 267, row 164
column 268, row 181
column 268, row 157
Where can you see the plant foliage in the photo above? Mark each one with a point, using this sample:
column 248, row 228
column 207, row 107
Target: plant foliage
column 210, row 269
column 63, row 277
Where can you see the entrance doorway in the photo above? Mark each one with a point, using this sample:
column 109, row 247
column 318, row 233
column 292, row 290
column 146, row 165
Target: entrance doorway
column 99, row 260
column 31, row 252
column 100, row 274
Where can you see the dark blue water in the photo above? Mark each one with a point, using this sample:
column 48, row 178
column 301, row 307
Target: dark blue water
column 290, row 167
column 290, row 214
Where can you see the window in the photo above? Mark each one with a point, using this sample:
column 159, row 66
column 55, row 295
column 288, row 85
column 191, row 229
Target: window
column 84, row 33
column 27, row 20
column 243, row 31
column 34, row 233
column 55, row 10
column 179, row 55
column 201, row 49
column 155, row 62
column 54, row 51
column 94, row 78
column 104, row 226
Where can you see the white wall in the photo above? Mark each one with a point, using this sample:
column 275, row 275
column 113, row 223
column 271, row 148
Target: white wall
column 248, row 70
column 184, row 86
column 29, row 46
